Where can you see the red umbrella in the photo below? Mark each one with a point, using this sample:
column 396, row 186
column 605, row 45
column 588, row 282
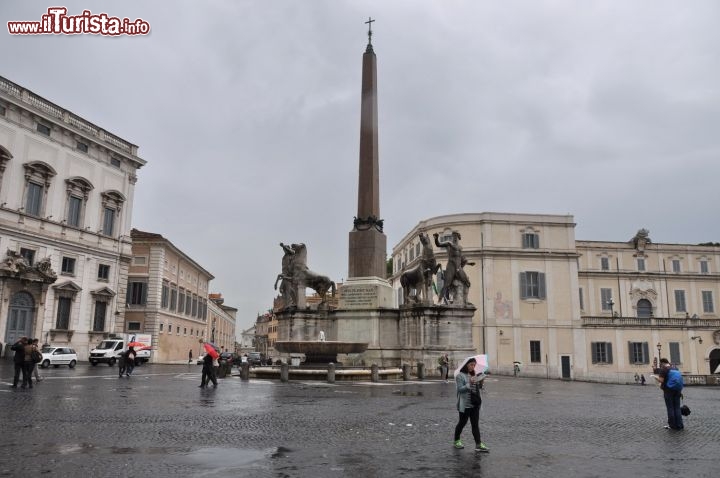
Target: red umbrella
column 212, row 350
column 139, row 345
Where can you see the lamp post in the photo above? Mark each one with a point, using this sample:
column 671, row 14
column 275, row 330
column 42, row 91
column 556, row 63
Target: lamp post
column 659, row 347
column 611, row 303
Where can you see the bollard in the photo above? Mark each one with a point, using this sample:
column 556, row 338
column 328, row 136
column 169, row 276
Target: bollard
column 284, row 372
column 331, row 373
column 406, row 371
column 420, row 371
column 374, row 374
column 244, row 371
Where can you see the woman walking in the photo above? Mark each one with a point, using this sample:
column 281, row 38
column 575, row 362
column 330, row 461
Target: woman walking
column 468, row 385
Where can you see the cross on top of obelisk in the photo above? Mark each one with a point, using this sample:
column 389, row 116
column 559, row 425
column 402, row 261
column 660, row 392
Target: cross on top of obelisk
column 369, row 24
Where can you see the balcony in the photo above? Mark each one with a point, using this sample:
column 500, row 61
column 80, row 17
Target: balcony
column 649, row 322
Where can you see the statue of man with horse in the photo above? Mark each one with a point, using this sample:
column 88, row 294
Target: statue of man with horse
column 419, row 277
column 296, row 277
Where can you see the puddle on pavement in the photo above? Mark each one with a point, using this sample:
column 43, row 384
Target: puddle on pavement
column 225, row 457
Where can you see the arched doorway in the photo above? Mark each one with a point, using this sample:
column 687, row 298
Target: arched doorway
column 714, row 360
column 20, row 317
column 644, row 309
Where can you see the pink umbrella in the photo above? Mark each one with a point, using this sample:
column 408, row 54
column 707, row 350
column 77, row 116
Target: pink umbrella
column 481, row 364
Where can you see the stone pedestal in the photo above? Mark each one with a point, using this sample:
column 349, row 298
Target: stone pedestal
column 367, row 254
column 361, row 293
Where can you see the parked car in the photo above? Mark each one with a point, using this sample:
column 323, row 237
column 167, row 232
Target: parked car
column 256, row 358
column 228, row 357
column 57, row 356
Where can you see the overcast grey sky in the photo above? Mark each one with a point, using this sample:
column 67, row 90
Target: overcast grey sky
column 248, row 115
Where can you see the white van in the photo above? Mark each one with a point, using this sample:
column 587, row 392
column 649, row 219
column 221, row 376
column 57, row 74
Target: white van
column 110, row 349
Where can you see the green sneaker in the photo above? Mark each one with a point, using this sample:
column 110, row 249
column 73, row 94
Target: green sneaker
column 459, row 444
column 481, row 447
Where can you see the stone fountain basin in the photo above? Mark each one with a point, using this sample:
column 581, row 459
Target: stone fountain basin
column 315, row 347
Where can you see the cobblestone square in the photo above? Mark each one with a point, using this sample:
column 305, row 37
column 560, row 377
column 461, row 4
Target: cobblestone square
column 158, row 423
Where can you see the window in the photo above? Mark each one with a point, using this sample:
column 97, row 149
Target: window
column 99, row 319
column 582, row 302
column 63, row 313
column 641, row 265
column 28, row 254
column 188, row 303
column 638, row 352
column 2, row 110
column 704, row 267
column 137, row 293
column 139, row 260
column 164, row 299
column 535, row 351
column 169, row 328
column 532, row 285
column 74, row 208
column 412, row 253
column 82, row 146
column 108, row 221
column 133, row 326
column 33, row 201
column 115, row 162
column 676, row 265
column 707, row 299
column 675, row 353
column 181, row 302
column 103, row 271
column 38, row 177
column 194, row 306
column 605, row 263
column 530, row 241
column 644, row 309
column 605, row 297
column 68, row 265
column 680, row 301
column 184, row 330
column 43, row 129
column 173, row 299
column 417, row 250
column 601, row 352
column 161, row 327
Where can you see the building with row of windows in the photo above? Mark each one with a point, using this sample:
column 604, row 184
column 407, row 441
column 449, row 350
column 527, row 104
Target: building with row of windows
column 590, row 310
column 66, row 198
column 72, row 272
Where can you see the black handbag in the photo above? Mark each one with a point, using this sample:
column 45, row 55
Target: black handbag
column 685, row 410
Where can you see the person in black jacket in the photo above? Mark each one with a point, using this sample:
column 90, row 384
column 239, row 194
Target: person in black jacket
column 19, row 360
column 208, row 372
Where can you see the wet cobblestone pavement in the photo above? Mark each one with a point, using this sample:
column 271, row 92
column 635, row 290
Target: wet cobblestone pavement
column 86, row 422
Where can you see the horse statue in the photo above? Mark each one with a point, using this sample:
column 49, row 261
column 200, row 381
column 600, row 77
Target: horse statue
column 419, row 277
column 303, row 277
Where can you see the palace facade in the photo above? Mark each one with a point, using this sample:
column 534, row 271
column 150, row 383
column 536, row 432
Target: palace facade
column 585, row 310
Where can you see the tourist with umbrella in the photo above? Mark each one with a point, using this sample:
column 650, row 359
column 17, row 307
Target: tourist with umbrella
column 469, row 378
column 208, row 368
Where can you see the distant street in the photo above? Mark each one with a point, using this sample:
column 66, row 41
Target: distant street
column 86, row 422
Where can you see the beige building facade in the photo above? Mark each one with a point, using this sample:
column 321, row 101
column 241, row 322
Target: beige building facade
column 579, row 309
column 66, row 201
column 167, row 297
column 221, row 323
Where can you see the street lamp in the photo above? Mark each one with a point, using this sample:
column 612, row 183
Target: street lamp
column 699, row 339
column 659, row 347
column 611, row 303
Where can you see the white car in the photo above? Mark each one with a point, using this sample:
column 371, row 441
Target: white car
column 57, row 356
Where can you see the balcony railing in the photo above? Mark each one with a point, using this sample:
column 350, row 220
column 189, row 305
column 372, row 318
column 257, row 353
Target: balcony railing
column 654, row 322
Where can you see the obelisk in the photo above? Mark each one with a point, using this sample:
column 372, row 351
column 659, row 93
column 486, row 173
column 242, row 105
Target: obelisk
column 368, row 243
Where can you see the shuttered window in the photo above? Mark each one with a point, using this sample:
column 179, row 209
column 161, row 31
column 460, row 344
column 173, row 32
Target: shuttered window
column 675, row 353
column 532, row 285
column 638, row 352
column 601, row 352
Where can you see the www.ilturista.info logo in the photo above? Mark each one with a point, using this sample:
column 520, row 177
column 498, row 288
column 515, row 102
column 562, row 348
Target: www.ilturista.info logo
column 58, row 22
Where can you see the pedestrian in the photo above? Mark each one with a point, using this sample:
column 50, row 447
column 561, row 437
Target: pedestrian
column 190, row 356
column 444, row 362
column 129, row 361
column 28, row 364
column 208, row 372
column 670, row 380
column 35, row 366
column 468, row 386
column 642, row 379
column 121, row 365
column 19, row 361
column 637, row 378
